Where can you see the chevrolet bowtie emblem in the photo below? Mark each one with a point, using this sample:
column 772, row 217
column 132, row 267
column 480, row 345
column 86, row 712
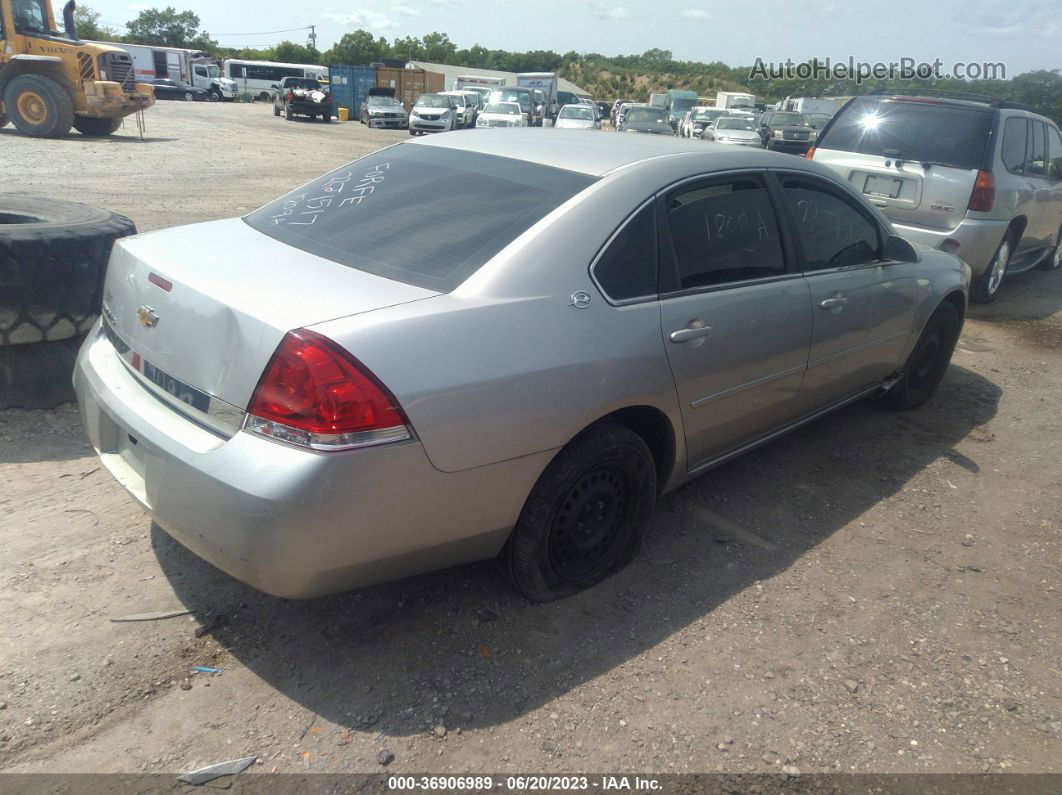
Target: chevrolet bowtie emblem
column 147, row 316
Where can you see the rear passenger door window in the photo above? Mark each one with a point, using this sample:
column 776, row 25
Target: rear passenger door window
column 832, row 231
column 724, row 232
column 1012, row 152
column 627, row 268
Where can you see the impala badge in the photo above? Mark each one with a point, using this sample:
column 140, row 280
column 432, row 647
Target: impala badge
column 147, row 316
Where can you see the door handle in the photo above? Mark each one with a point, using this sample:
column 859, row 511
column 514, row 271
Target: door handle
column 833, row 303
column 690, row 333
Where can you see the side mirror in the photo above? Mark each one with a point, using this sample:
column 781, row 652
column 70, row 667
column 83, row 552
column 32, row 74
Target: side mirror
column 900, row 250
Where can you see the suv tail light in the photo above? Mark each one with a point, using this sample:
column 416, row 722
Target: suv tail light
column 983, row 195
column 810, row 155
column 315, row 394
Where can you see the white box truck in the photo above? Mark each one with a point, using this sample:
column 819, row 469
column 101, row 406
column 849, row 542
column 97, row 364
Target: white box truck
column 190, row 67
column 827, row 106
column 735, row 100
column 475, row 81
column 546, row 82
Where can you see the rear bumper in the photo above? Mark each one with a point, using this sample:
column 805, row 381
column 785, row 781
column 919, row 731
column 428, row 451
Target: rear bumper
column 781, row 145
column 286, row 521
column 978, row 239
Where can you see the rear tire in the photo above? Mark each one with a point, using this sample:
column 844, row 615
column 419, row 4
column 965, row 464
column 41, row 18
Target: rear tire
column 96, row 127
column 188, row 97
column 39, row 106
column 287, row 113
column 3, row 120
column 585, row 517
column 928, row 362
column 276, row 110
column 985, row 287
column 1052, row 263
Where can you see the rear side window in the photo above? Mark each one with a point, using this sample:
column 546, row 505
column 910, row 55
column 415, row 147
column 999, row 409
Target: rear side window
column 627, row 269
column 423, row 215
column 946, row 135
column 832, row 232
column 724, row 232
column 1012, row 151
column 1036, row 164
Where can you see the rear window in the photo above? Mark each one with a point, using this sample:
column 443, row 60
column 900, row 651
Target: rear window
column 946, row 135
column 423, row 215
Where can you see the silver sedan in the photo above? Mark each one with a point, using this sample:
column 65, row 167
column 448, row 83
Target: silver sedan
column 377, row 375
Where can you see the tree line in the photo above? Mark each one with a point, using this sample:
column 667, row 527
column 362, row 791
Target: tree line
column 604, row 76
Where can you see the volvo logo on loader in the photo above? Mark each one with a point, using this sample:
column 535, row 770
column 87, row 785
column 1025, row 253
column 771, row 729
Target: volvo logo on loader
column 147, row 316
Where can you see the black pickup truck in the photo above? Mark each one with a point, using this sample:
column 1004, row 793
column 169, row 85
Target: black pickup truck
column 303, row 96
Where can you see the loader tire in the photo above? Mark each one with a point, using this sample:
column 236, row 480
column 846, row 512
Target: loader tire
column 39, row 106
column 53, row 257
column 94, row 127
column 38, row 376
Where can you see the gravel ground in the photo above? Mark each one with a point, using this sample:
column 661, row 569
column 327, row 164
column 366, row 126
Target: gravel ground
column 876, row 592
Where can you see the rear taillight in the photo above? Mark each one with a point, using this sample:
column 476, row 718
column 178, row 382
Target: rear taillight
column 810, row 154
column 315, row 394
column 291, row 96
column 983, row 195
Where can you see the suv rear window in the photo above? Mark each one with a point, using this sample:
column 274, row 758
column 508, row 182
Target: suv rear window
column 945, row 135
column 423, row 215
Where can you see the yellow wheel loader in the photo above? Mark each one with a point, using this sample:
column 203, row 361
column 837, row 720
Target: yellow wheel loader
column 51, row 81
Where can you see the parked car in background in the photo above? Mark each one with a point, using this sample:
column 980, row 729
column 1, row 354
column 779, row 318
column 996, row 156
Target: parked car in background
column 646, row 119
column 393, row 393
column 818, row 120
column 171, row 89
column 615, row 109
column 303, row 96
column 483, row 91
column 523, row 96
column 466, row 108
column 980, row 179
column 604, row 109
column 435, row 113
column 696, row 119
column 382, row 109
column 502, row 114
column 676, row 103
column 786, row 131
column 737, row 130
column 577, row 117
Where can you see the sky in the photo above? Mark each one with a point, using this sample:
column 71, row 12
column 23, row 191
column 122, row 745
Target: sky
column 1022, row 34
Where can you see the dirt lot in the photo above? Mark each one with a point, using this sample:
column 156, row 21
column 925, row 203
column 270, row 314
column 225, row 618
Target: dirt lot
column 877, row 592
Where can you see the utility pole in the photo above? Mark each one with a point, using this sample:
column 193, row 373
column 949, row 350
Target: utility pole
column 313, row 36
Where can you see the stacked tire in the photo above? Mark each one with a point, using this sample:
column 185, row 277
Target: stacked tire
column 53, row 257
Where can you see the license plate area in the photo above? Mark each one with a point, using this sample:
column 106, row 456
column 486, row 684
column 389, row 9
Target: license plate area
column 885, row 187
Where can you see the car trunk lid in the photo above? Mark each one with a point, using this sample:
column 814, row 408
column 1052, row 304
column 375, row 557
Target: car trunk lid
column 204, row 307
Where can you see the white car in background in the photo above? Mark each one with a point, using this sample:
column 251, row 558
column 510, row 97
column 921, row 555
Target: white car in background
column 502, row 114
column 577, row 117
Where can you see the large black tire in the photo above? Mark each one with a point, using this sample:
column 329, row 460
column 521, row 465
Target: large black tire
column 87, row 126
column 985, row 288
column 38, row 376
column 53, row 256
column 1053, row 261
column 47, row 111
column 3, row 120
column 276, row 110
column 287, row 113
column 928, row 362
column 585, row 517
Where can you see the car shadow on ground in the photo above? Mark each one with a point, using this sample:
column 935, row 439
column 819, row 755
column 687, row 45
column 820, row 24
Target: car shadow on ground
column 123, row 136
column 459, row 647
column 1023, row 297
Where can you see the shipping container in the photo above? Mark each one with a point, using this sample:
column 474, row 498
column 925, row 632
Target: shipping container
column 350, row 86
column 409, row 83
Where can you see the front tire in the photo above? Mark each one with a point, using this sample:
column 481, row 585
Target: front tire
column 1052, row 263
column 928, row 362
column 96, row 127
column 276, row 110
column 585, row 517
column 985, row 287
column 39, row 106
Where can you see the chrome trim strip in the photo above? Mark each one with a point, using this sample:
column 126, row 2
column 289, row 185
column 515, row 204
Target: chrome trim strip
column 221, row 417
column 747, row 385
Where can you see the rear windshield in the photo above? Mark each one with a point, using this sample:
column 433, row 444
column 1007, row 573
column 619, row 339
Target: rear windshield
column 397, row 213
column 635, row 115
column 576, row 112
column 946, row 135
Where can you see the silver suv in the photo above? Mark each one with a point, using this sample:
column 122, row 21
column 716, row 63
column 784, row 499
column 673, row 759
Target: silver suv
column 979, row 179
